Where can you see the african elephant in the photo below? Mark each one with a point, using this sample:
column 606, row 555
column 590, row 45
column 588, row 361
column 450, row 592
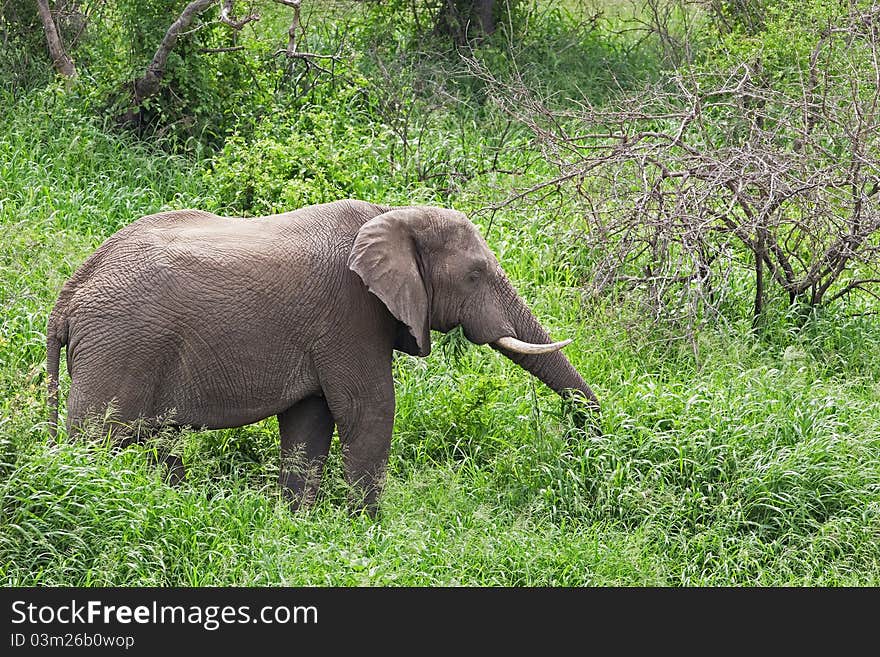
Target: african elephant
column 228, row 321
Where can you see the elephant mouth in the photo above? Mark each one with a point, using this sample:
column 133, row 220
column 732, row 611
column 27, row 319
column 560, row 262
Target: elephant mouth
column 519, row 347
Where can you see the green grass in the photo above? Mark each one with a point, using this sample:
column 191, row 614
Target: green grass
column 730, row 459
column 752, row 472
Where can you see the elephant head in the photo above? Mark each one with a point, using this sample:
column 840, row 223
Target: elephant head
column 433, row 270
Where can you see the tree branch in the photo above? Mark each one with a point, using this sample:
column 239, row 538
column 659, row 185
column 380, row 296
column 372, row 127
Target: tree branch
column 60, row 59
column 230, row 20
column 148, row 85
column 854, row 285
column 294, row 25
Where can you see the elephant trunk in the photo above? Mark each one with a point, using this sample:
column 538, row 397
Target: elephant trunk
column 553, row 368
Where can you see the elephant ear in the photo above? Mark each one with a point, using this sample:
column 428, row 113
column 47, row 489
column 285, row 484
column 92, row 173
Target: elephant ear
column 386, row 258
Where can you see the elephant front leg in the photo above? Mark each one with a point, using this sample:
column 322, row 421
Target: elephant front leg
column 365, row 446
column 365, row 418
column 306, row 430
column 358, row 384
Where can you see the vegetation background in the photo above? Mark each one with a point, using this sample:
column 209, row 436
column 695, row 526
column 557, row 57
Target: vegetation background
column 642, row 170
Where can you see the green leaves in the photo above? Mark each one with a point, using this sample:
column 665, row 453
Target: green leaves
column 310, row 154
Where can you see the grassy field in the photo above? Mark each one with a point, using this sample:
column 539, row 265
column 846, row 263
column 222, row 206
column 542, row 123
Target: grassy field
column 733, row 459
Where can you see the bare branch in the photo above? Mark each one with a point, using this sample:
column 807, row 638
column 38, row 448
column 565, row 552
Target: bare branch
column 714, row 172
column 858, row 284
column 305, row 55
column 229, row 19
column 294, row 25
column 225, row 49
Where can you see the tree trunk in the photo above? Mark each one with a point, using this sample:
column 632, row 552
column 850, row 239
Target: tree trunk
column 465, row 20
column 60, row 59
column 484, row 13
column 759, row 285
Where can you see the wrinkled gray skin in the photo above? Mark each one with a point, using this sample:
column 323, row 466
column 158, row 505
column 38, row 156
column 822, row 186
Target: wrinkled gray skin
column 228, row 321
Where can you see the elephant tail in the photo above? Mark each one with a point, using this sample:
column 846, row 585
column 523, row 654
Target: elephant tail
column 56, row 337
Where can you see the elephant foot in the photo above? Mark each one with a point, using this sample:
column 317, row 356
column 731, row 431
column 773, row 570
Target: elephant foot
column 296, row 501
column 369, row 510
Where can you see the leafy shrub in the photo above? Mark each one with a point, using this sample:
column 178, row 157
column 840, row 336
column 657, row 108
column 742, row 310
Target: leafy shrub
column 24, row 60
column 306, row 154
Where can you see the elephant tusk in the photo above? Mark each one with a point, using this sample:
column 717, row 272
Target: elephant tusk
column 520, row 347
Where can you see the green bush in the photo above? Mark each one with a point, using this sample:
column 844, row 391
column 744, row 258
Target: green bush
column 24, row 57
column 311, row 153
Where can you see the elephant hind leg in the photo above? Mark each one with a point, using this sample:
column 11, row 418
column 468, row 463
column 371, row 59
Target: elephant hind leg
column 157, row 439
column 104, row 422
column 306, row 429
column 175, row 471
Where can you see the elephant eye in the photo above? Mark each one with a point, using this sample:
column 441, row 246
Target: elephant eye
column 474, row 276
